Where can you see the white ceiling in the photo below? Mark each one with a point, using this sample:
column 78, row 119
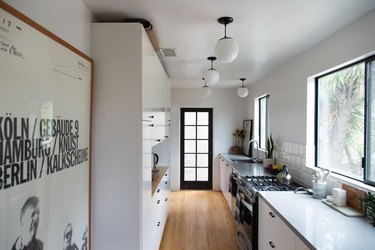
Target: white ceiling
column 268, row 32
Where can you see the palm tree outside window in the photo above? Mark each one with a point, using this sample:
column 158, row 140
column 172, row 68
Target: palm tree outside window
column 345, row 112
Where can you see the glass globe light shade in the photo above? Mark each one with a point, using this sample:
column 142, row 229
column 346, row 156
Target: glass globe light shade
column 205, row 91
column 226, row 50
column 242, row 92
column 212, row 76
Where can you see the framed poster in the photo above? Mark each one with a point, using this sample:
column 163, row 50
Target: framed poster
column 45, row 103
column 247, row 127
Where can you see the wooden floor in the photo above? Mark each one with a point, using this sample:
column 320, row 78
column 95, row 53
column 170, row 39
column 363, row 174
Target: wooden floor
column 199, row 220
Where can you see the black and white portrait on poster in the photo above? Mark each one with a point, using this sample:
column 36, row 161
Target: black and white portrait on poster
column 45, row 94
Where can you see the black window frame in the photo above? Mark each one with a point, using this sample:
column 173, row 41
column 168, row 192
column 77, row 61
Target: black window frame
column 266, row 97
column 366, row 159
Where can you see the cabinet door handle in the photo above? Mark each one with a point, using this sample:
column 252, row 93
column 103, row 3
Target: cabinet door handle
column 227, row 165
column 158, row 202
column 271, row 244
column 166, row 199
column 158, row 190
column 158, row 223
column 159, row 140
column 272, row 214
column 166, row 175
column 166, row 136
column 166, row 182
column 151, row 116
column 151, row 125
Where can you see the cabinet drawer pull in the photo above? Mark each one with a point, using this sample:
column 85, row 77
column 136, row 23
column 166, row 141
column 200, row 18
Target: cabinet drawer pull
column 158, row 202
column 272, row 214
column 166, row 136
column 158, row 191
column 166, row 182
column 166, row 175
column 158, row 223
column 227, row 165
column 151, row 125
column 271, row 244
column 151, row 116
column 158, row 140
column 166, row 199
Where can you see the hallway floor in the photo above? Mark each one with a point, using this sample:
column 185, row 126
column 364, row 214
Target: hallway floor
column 199, row 220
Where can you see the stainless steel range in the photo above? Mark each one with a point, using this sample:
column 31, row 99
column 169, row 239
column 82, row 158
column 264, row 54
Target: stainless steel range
column 246, row 214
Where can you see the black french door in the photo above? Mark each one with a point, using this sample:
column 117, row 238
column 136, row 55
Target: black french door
column 196, row 148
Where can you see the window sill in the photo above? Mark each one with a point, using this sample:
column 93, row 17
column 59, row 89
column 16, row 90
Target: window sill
column 351, row 182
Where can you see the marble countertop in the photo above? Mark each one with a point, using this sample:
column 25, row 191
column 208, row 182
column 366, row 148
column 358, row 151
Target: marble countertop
column 318, row 225
column 244, row 169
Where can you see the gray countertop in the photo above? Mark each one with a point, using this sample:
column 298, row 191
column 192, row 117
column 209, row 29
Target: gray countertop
column 244, row 169
column 319, row 225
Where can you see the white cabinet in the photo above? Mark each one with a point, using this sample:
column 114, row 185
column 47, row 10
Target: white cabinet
column 225, row 172
column 274, row 233
column 160, row 207
column 130, row 85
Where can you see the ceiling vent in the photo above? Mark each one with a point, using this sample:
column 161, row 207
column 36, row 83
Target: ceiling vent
column 168, row 52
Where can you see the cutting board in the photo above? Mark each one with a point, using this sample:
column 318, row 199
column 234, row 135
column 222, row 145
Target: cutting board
column 347, row 211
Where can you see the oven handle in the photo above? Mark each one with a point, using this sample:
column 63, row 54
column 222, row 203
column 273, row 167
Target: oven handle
column 247, row 205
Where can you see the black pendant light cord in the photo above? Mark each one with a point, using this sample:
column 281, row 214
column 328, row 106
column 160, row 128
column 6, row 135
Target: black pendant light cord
column 242, row 79
column 212, row 59
column 205, row 84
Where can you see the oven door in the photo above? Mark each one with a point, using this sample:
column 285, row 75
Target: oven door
column 246, row 222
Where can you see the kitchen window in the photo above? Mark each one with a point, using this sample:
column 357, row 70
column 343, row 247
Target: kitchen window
column 262, row 120
column 345, row 120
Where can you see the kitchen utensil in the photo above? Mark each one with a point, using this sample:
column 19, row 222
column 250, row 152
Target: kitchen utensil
column 155, row 160
column 284, row 177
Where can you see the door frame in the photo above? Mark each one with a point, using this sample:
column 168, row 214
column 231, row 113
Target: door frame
column 196, row 184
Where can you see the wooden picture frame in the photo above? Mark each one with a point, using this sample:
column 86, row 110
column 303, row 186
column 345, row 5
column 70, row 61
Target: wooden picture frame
column 45, row 137
column 247, row 127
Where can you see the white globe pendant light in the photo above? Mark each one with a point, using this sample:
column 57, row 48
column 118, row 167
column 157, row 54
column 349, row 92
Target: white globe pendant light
column 205, row 90
column 212, row 76
column 226, row 48
column 242, row 91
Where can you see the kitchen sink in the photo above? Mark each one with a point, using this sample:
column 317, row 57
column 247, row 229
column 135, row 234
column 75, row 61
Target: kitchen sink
column 247, row 161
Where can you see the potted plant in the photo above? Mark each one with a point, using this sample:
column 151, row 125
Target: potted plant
column 238, row 134
column 268, row 159
column 368, row 204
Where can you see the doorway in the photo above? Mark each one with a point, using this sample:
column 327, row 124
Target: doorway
column 196, row 148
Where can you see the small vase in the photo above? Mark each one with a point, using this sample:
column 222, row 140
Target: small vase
column 235, row 150
column 268, row 161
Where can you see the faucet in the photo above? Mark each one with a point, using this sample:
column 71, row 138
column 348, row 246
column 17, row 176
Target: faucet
column 253, row 140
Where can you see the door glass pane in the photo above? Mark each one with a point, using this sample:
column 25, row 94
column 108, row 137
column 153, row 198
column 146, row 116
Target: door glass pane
column 202, row 132
column 202, row 174
column 371, row 169
column 341, row 121
column 190, row 132
column 202, row 146
column 189, row 160
column 202, row 160
column 189, row 174
column 190, row 118
column 202, row 118
column 190, row 146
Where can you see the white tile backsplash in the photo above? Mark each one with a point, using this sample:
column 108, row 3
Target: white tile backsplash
column 293, row 155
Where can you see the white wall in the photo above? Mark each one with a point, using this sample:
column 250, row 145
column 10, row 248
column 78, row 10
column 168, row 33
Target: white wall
column 288, row 87
column 68, row 19
column 229, row 111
